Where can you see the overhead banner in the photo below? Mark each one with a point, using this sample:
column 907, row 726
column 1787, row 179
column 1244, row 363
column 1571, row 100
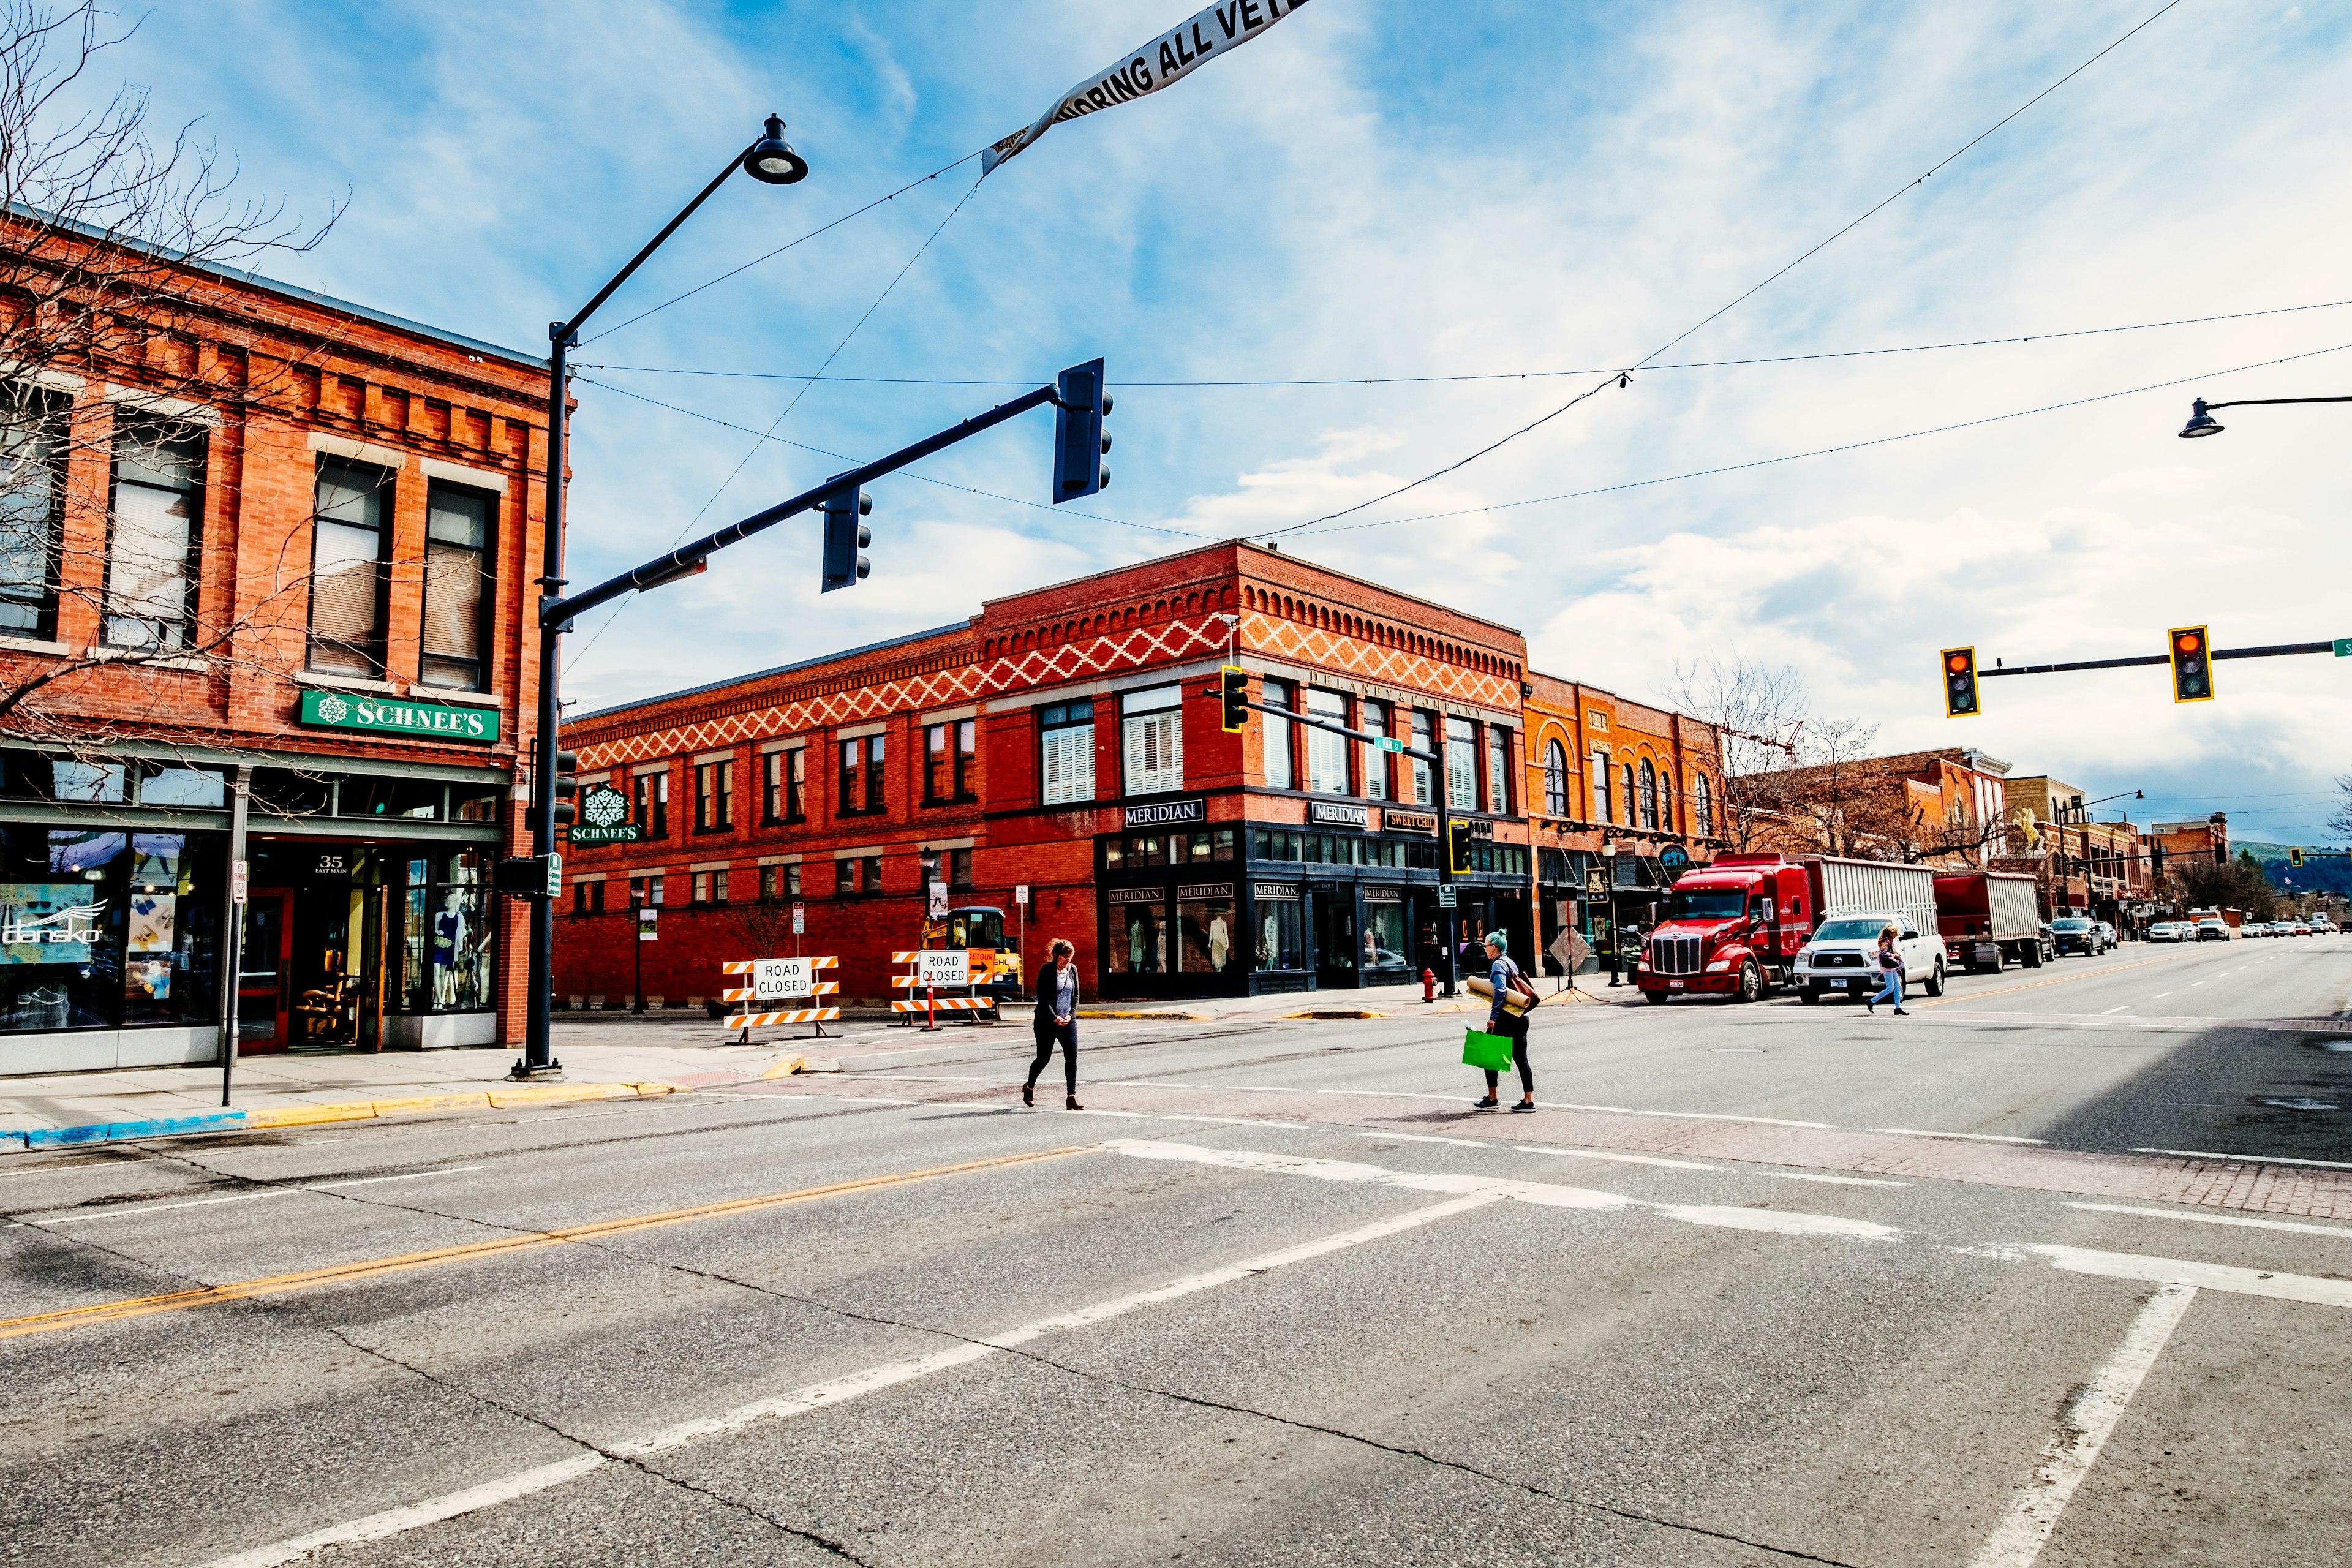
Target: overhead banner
column 1168, row 59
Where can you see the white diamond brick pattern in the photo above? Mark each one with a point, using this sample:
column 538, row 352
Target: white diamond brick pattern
column 1128, row 648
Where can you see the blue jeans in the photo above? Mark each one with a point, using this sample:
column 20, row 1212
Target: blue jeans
column 1890, row 987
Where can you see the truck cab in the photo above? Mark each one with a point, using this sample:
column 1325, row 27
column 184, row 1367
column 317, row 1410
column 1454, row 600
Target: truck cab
column 1731, row 928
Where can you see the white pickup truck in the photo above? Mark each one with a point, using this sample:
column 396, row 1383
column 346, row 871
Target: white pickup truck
column 1843, row 954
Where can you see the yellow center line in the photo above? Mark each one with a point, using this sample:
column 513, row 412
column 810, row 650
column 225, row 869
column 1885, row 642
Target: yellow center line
column 2037, row 984
column 277, row 1284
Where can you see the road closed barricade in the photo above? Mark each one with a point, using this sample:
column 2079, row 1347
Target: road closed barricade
column 775, row 984
column 931, row 970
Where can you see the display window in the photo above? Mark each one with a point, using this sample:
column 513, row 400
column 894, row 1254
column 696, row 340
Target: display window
column 1138, row 931
column 447, row 928
column 1208, row 929
column 1281, row 934
column 1387, row 955
column 101, row 929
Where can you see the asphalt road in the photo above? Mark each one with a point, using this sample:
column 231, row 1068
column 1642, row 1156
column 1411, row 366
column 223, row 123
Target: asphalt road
column 1279, row 1296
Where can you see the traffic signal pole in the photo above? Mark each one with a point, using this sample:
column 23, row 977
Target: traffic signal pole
column 2275, row 650
column 1386, row 743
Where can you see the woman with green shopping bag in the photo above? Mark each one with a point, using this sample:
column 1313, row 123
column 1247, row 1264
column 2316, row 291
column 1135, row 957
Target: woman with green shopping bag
column 1505, row 977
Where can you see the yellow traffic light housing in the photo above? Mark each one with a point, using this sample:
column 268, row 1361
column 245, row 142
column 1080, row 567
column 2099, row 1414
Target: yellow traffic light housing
column 1457, row 846
column 1960, row 683
column 2192, row 664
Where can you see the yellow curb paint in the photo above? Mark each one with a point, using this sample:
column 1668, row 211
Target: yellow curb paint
column 786, row 1068
column 1162, row 1016
column 496, row 1098
column 335, row 1274
column 559, row 1093
column 302, row 1115
column 431, row 1102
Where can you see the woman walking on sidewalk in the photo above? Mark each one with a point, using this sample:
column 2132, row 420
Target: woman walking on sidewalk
column 1505, row 977
column 1890, row 974
column 1057, row 1020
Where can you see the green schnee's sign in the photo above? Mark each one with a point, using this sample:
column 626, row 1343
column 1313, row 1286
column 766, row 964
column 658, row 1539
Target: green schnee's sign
column 393, row 716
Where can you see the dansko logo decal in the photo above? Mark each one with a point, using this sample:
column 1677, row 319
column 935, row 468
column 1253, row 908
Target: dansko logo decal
column 393, row 716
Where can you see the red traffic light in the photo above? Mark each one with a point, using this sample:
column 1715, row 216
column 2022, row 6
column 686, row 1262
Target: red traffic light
column 2188, row 642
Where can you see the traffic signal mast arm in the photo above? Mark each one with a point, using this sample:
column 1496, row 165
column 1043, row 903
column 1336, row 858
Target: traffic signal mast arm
column 2274, row 651
column 553, row 614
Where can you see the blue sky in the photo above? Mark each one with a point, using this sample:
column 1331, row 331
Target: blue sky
column 1383, row 188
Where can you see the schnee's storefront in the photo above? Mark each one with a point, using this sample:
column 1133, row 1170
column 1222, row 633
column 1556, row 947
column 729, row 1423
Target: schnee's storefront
column 370, row 922
column 1195, row 908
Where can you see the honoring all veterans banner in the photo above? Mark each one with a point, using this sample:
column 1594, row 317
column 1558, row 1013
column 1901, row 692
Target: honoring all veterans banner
column 1172, row 56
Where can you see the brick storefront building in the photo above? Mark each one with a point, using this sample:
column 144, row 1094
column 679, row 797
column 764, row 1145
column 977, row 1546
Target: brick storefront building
column 1609, row 772
column 1065, row 740
column 267, row 538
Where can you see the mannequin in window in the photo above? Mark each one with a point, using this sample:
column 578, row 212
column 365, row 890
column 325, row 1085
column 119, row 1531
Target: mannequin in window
column 449, row 934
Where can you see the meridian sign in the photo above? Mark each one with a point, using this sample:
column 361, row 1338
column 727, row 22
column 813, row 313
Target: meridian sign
column 605, row 817
column 417, row 720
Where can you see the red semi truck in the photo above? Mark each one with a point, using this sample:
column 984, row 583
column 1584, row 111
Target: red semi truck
column 1735, row 928
column 1989, row 919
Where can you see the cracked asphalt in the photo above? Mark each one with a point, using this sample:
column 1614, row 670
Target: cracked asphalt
column 1177, row 1329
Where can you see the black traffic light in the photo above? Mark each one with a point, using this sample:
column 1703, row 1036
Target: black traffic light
column 1960, row 683
column 2192, row 665
column 1080, row 442
column 2294, row 856
column 845, row 538
column 2156, row 859
column 1457, row 845
column 1233, row 689
column 566, row 786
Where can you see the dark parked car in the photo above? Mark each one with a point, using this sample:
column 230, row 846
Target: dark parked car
column 2076, row 934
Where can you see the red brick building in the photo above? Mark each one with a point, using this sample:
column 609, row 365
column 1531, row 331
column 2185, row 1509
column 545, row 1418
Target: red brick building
column 267, row 552
column 1065, row 740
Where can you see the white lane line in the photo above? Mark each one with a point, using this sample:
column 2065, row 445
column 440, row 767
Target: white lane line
column 2220, row 1219
column 2112, row 1011
column 2090, row 1417
column 2160, row 995
column 822, row 1395
column 1695, row 1115
column 1971, row 1137
column 1837, row 1180
column 241, row 1197
column 1230, row 1120
column 1781, row 1222
column 2308, row 1287
column 821, row 1097
column 2251, row 1159
column 400, row 1520
column 1612, row 1157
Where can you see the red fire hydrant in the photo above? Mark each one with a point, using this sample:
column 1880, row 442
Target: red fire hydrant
column 1429, row 986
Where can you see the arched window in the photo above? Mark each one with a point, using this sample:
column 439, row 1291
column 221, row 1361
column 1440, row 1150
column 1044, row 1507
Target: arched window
column 1633, row 801
column 1666, row 800
column 1703, row 806
column 1554, row 780
column 1648, row 795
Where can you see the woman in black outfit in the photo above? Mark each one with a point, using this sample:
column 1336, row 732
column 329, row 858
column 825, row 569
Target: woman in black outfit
column 1057, row 1020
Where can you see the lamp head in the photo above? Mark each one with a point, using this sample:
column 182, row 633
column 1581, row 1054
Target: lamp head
column 771, row 161
column 2199, row 422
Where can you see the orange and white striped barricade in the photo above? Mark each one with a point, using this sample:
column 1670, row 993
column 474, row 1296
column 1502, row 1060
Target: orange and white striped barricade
column 779, row 982
column 934, row 968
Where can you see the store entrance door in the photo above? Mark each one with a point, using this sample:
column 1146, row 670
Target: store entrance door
column 1336, row 942
column 265, row 972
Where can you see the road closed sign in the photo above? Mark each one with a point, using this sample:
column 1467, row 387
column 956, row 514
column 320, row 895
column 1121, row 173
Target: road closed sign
column 781, row 980
column 939, row 968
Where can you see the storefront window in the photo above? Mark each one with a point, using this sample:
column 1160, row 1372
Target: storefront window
column 1281, row 941
column 101, row 929
column 1386, row 957
column 1208, row 929
column 446, row 932
column 186, row 789
column 1138, row 932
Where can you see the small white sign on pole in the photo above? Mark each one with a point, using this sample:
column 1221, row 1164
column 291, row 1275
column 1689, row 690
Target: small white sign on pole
column 800, row 918
column 939, row 900
column 1021, row 893
column 781, row 980
column 238, row 880
column 940, row 968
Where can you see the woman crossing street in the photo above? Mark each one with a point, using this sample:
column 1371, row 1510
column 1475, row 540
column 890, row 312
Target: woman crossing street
column 1056, row 1021
column 1505, row 977
column 1890, row 972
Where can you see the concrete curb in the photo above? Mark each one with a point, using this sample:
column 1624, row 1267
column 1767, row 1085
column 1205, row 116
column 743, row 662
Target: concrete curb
column 31, row 1138
column 1163, row 1015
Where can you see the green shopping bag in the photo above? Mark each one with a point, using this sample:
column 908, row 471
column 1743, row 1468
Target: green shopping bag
column 1480, row 1049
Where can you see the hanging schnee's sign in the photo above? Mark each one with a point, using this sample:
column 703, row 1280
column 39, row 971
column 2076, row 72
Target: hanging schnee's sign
column 1158, row 64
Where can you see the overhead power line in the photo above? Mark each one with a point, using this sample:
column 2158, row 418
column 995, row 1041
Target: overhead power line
column 1816, row 452
column 1621, row 377
column 1125, row 386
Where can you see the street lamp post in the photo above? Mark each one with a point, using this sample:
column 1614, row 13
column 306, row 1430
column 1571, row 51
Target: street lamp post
column 1616, row 947
column 771, row 161
column 2202, row 423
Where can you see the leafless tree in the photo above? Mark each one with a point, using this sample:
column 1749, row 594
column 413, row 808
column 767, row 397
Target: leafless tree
column 1757, row 712
column 113, row 246
column 2340, row 821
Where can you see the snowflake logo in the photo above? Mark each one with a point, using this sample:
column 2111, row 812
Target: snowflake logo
column 335, row 710
column 605, row 807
